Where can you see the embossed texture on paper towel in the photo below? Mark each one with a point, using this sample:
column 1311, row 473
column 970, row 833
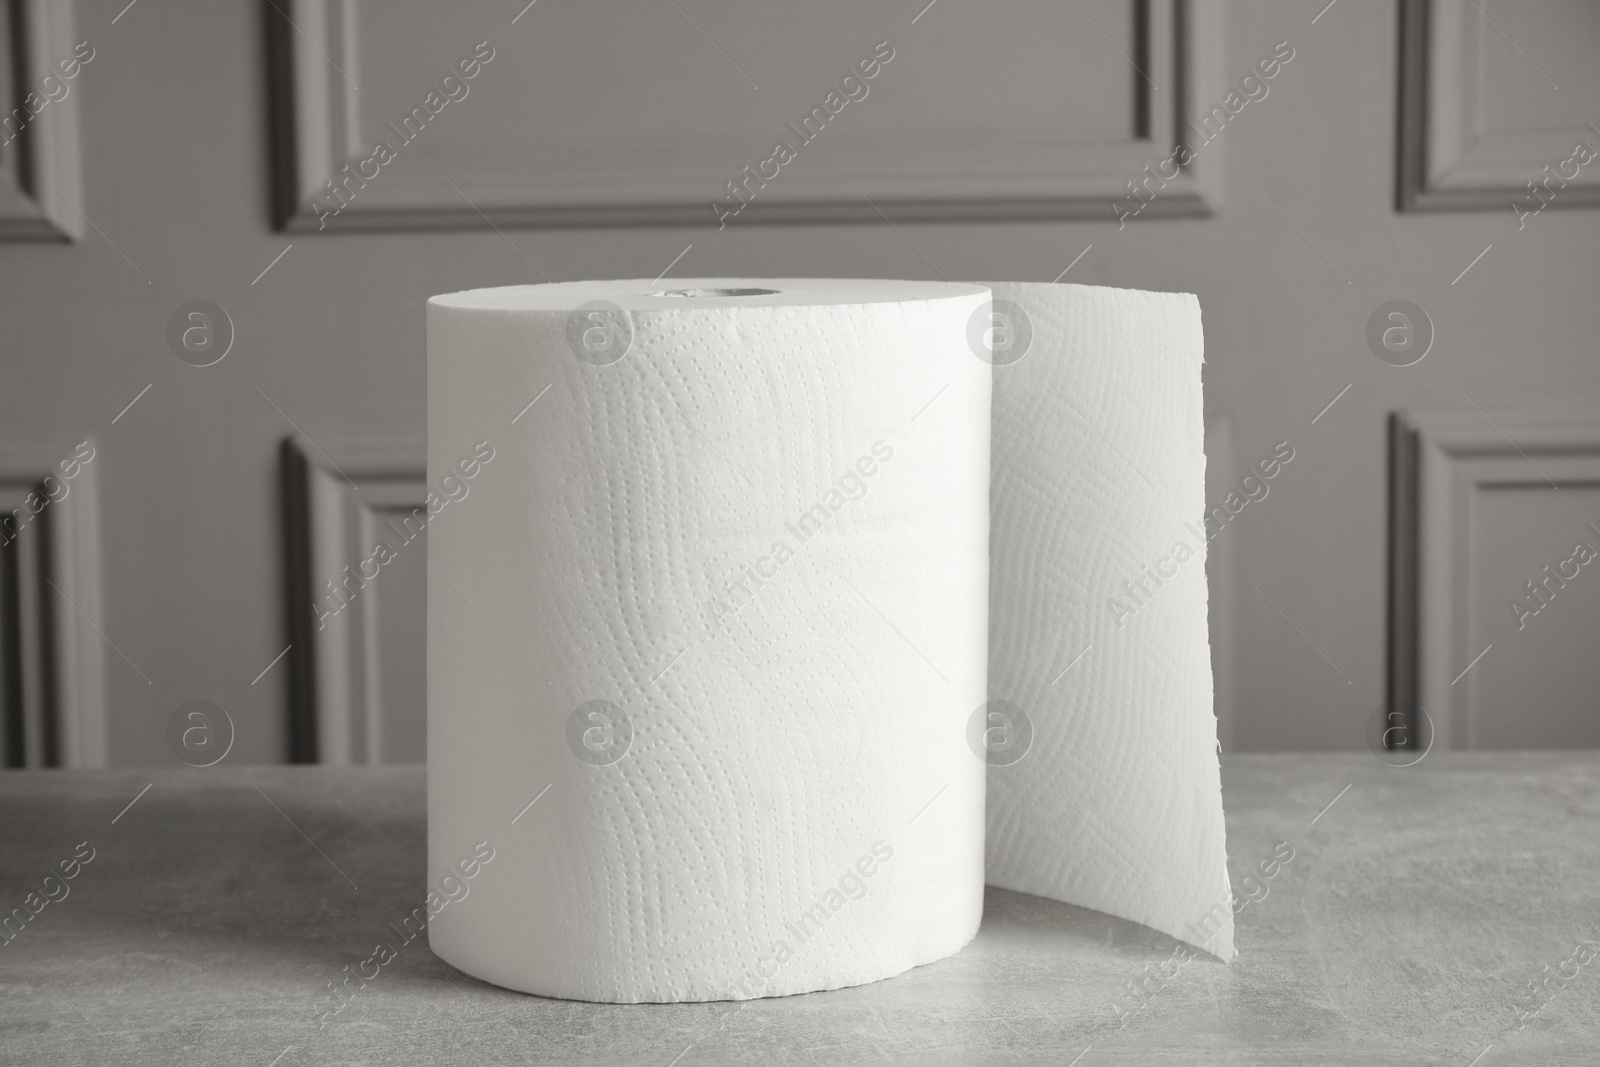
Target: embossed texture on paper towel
column 1098, row 479
column 791, row 714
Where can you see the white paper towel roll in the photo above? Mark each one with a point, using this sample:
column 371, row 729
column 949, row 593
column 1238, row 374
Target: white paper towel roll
column 760, row 536
column 725, row 591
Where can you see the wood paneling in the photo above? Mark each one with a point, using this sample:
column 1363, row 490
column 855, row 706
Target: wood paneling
column 52, row 653
column 1220, row 572
column 568, row 124
column 1481, row 508
column 1485, row 126
column 356, row 624
column 174, row 110
column 40, row 180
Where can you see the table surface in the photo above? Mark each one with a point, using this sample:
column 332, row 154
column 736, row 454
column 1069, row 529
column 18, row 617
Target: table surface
column 1424, row 914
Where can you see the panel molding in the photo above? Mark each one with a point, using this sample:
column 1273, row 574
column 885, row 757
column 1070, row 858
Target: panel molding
column 331, row 506
column 315, row 126
column 1447, row 159
column 52, row 659
column 39, row 169
column 1437, row 461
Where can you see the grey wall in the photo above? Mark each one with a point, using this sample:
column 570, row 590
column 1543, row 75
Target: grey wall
column 985, row 120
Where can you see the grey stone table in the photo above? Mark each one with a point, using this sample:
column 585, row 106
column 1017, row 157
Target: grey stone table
column 1431, row 914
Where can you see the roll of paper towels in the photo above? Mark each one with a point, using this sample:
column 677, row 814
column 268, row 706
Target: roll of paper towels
column 717, row 672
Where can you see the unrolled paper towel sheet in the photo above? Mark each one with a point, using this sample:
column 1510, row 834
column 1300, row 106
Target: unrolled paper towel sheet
column 711, row 664
column 1097, row 601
